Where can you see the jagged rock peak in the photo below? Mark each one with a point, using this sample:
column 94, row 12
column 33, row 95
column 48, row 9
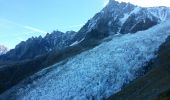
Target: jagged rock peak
column 113, row 2
column 3, row 49
column 110, row 1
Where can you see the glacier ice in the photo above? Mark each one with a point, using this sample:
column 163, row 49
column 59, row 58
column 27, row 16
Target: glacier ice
column 97, row 73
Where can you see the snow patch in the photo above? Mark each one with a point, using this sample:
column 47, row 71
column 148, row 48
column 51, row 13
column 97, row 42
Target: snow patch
column 163, row 13
column 75, row 43
column 127, row 15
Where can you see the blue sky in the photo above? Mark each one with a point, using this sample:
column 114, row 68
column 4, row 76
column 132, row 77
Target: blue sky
column 22, row 19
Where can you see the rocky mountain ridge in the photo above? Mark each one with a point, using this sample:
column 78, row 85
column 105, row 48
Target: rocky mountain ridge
column 3, row 49
column 115, row 18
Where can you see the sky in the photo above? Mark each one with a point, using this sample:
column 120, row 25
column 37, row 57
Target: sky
column 22, row 19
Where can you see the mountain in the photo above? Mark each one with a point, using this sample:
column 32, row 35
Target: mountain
column 37, row 46
column 111, row 50
column 96, row 73
column 24, row 69
column 115, row 18
column 3, row 49
column 121, row 18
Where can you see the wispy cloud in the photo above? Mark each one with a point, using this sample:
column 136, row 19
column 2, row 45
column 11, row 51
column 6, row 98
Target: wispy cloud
column 35, row 29
column 28, row 33
column 30, row 28
column 10, row 22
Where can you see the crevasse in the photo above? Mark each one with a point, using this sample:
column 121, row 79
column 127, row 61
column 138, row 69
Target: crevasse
column 100, row 72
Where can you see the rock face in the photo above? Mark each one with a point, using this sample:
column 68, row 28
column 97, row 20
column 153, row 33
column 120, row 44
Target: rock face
column 25, row 69
column 3, row 49
column 78, row 53
column 37, row 46
column 115, row 18
column 122, row 18
column 96, row 73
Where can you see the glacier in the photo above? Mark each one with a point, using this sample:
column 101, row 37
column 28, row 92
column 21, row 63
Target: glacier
column 97, row 73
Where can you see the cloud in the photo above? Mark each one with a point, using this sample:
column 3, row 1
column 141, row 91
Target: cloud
column 28, row 33
column 30, row 28
column 10, row 22
column 35, row 29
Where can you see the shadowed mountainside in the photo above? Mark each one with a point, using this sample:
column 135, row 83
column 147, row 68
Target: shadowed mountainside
column 12, row 74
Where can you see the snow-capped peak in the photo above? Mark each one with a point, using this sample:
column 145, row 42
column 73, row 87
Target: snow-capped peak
column 163, row 13
column 127, row 15
column 124, row 17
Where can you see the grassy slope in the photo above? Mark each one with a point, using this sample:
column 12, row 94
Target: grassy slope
column 155, row 85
